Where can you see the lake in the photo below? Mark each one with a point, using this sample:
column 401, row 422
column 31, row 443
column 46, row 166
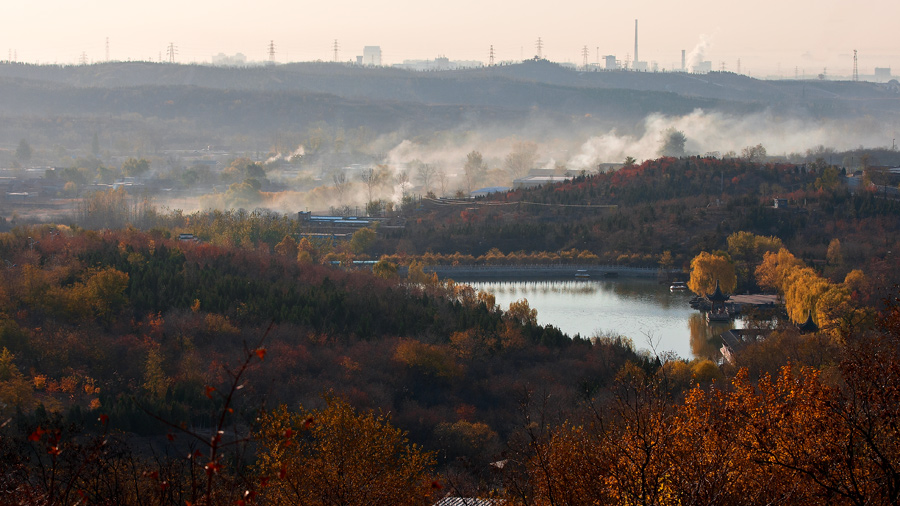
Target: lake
column 643, row 310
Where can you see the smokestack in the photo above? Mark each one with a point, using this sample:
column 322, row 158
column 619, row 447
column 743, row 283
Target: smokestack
column 636, row 42
column 682, row 60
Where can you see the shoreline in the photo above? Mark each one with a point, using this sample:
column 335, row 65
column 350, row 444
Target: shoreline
column 547, row 271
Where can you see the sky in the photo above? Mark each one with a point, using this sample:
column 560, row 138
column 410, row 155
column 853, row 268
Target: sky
column 771, row 38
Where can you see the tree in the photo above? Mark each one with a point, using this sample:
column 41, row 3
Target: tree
column 425, row 174
column 340, row 185
column 521, row 159
column 287, row 247
column 402, row 180
column 629, row 161
column 747, row 250
column 15, row 390
column 135, row 167
column 442, row 180
column 362, row 240
column 802, row 289
column 666, row 261
column 336, row 456
column 474, row 169
column 833, row 255
column 23, row 151
column 385, row 269
column 754, row 154
column 829, row 179
column 673, row 143
column 369, row 177
column 775, row 267
column 521, row 312
column 707, row 269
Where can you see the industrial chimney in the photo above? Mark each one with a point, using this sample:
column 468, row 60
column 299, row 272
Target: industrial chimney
column 636, row 59
column 683, row 61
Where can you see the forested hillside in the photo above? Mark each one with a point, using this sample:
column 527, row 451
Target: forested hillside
column 683, row 206
column 111, row 335
column 262, row 354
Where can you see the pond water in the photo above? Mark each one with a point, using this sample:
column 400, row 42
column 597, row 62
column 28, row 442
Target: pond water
column 647, row 312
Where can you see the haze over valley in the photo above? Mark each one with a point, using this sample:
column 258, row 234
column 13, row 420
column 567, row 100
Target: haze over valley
column 307, row 122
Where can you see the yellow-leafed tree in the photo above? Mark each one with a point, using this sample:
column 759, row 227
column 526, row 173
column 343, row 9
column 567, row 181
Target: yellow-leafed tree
column 802, row 289
column 775, row 267
column 706, row 269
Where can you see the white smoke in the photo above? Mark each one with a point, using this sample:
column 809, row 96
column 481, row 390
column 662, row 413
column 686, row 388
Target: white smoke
column 698, row 54
column 710, row 132
column 281, row 156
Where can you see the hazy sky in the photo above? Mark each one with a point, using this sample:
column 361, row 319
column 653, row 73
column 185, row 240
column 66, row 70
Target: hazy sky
column 770, row 37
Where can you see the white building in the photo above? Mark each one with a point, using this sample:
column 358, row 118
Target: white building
column 371, row 56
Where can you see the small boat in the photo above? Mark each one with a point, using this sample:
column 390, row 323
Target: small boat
column 581, row 273
column 678, row 286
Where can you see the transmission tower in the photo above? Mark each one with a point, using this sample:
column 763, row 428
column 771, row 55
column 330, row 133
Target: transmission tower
column 492, row 56
column 855, row 67
column 171, row 51
column 271, row 52
column 83, row 60
column 335, row 51
column 739, row 66
column 107, row 49
column 540, row 48
column 584, row 56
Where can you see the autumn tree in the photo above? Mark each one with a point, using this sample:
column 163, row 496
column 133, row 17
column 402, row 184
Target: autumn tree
column 306, row 252
column 748, row 250
column 520, row 311
column 833, row 254
column 135, row 167
column 287, row 247
column 16, row 392
column 385, row 269
column 337, row 456
column 362, row 240
column 754, row 154
column 802, row 289
column 474, row 169
column 707, row 270
column 775, row 267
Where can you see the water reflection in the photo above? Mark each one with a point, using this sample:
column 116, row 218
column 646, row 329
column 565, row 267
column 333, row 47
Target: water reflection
column 705, row 337
column 643, row 310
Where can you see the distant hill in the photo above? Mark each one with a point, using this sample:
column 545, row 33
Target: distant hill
column 257, row 101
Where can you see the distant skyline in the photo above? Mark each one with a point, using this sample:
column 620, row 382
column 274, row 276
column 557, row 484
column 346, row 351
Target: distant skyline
column 771, row 38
